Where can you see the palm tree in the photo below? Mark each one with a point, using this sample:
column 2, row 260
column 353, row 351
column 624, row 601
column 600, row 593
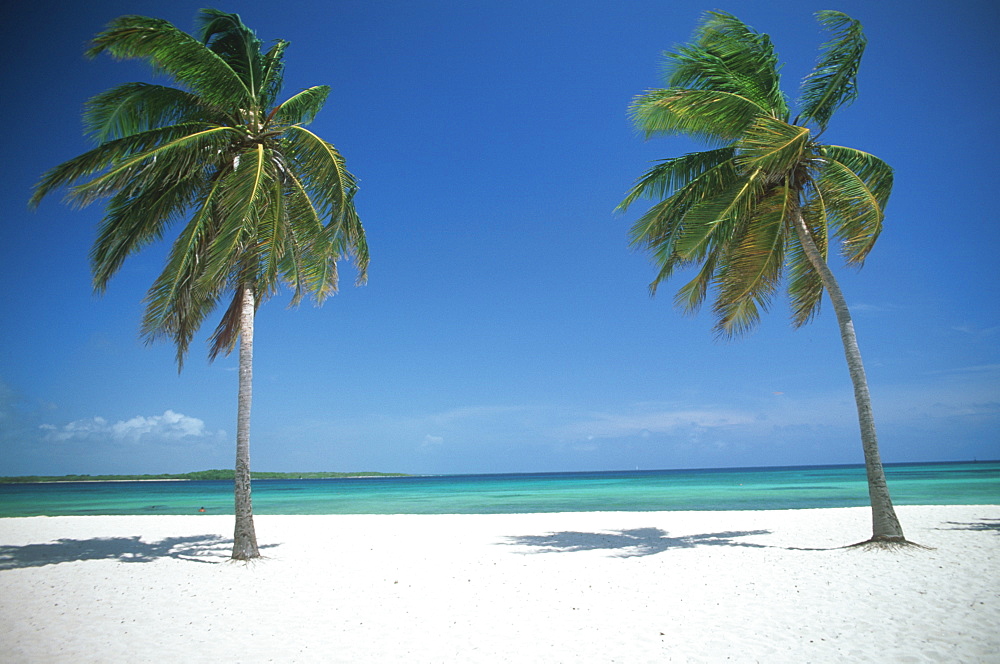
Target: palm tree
column 265, row 201
column 767, row 196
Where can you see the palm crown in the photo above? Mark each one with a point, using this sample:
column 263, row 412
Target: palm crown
column 731, row 211
column 267, row 201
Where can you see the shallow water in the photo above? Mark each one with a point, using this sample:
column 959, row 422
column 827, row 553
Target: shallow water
column 633, row 491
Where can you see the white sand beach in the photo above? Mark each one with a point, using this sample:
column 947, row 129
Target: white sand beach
column 767, row 586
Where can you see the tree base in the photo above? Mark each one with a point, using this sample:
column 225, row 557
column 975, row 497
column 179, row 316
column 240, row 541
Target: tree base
column 886, row 543
column 245, row 555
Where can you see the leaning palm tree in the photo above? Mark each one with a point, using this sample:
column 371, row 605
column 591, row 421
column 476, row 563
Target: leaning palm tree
column 264, row 201
column 767, row 197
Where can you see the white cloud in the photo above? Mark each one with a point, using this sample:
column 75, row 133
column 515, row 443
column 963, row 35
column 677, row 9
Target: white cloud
column 473, row 414
column 431, row 442
column 653, row 420
column 168, row 427
column 976, row 331
column 979, row 368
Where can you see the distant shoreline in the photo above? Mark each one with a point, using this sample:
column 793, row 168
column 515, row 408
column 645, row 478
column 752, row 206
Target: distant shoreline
column 162, row 479
column 264, row 475
column 217, row 475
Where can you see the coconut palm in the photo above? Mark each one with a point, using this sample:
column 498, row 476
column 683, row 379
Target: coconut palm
column 264, row 201
column 764, row 202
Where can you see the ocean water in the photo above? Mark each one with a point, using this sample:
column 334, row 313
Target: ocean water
column 634, row 491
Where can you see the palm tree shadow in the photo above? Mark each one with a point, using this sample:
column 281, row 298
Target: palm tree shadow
column 982, row 524
column 633, row 542
column 194, row 548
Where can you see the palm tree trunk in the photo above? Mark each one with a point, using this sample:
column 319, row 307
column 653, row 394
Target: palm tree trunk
column 885, row 525
column 244, row 537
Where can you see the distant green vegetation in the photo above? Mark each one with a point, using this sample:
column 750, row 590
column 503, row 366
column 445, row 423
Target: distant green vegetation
column 197, row 475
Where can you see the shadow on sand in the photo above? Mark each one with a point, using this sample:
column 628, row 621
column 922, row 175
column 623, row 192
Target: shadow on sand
column 632, row 543
column 194, row 548
column 982, row 524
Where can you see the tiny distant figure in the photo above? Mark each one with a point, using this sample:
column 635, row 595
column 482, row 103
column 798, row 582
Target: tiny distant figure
column 201, row 509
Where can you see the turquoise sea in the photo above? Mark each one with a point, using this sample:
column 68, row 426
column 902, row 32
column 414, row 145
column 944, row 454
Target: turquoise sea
column 634, row 491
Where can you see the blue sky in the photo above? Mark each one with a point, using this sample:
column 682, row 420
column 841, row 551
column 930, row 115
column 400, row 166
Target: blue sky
column 506, row 326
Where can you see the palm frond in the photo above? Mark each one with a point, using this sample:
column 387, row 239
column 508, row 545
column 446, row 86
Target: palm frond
column 729, row 56
column 300, row 209
column 176, row 54
column 665, row 220
column 129, row 150
column 183, row 150
column 227, row 332
column 805, row 286
column 711, row 222
column 244, row 197
column 856, row 187
column 666, row 269
column 303, row 107
column 671, row 175
column 225, row 35
column 349, row 238
column 273, row 70
column 321, row 169
column 656, row 232
column 180, row 298
column 772, row 146
column 677, row 231
column 708, row 114
column 691, row 295
column 132, row 222
column 303, row 227
column 833, row 82
column 751, row 268
column 877, row 175
column 697, row 235
column 273, row 241
column 133, row 108
column 699, row 230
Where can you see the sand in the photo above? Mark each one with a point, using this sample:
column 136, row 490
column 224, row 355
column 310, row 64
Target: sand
column 756, row 586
